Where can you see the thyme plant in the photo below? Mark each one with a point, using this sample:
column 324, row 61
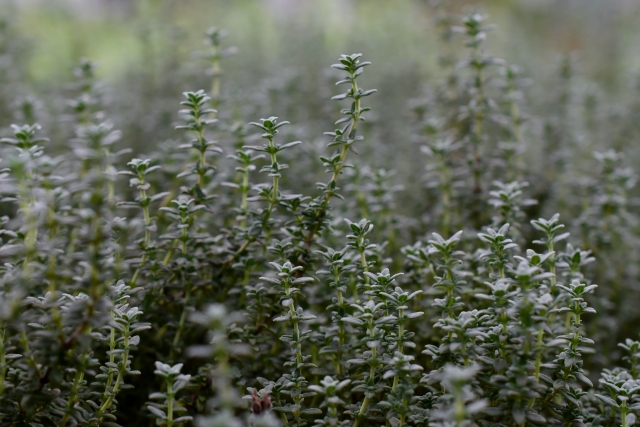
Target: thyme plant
column 211, row 277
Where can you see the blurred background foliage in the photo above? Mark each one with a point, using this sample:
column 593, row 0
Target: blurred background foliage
column 124, row 34
column 144, row 46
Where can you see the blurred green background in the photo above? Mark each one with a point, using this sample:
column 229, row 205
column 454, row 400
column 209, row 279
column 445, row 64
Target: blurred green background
column 145, row 47
column 145, row 51
column 271, row 34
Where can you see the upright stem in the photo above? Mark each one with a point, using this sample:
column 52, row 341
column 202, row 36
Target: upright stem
column 215, row 83
column 516, row 121
column 122, row 370
column 396, row 378
column 476, row 138
column 341, row 331
column 52, row 270
column 403, row 416
column 183, row 317
column 147, row 220
column 147, row 236
column 478, row 118
column 73, row 394
column 538, row 362
column 24, row 340
column 52, row 288
column 365, row 403
column 3, row 359
column 170, row 395
column 552, row 269
column 365, row 266
column 372, row 373
column 446, row 198
column 459, row 410
column 31, row 233
column 202, row 167
column 294, row 321
column 273, row 199
column 449, row 289
column 338, row 169
column 245, row 193
column 552, row 264
column 108, row 166
column 539, row 355
column 296, row 331
column 345, row 147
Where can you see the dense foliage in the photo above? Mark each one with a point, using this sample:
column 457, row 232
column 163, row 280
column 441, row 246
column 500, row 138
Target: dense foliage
column 231, row 283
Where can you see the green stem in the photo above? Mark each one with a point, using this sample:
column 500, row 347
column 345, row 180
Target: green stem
column 338, row 169
column 147, row 235
column 112, row 357
column 73, row 394
column 446, row 199
column 3, row 359
column 24, row 340
column 459, row 411
column 285, row 421
column 345, row 147
column 365, row 266
column 184, row 241
column 108, row 166
column 122, row 370
column 215, row 83
column 538, row 362
column 539, row 355
column 240, row 250
column 168, row 256
column 53, row 292
column 516, row 121
column 147, row 219
column 449, row 289
column 202, row 167
column 341, row 331
column 294, row 321
column 31, row 232
column 273, row 199
column 365, row 403
column 552, row 265
column 478, row 119
column 245, row 193
column 183, row 318
column 400, row 347
column 170, row 395
column 372, row 373
column 296, row 331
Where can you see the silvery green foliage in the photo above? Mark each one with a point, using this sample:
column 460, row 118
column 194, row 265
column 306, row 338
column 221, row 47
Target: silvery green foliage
column 163, row 292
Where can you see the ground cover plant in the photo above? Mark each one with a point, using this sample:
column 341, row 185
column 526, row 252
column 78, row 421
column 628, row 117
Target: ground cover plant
column 238, row 274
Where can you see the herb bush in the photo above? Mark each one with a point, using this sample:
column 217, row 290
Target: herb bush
column 223, row 286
